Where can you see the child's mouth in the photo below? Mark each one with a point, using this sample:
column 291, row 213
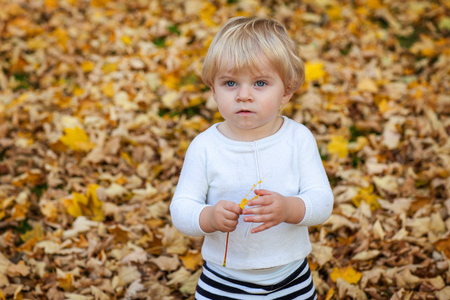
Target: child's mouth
column 244, row 111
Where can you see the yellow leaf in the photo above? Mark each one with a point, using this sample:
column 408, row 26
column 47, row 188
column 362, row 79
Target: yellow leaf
column 329, row 294
column 62, row 36
column 334, row 13
column 338, row 145
column 126, row 40
column 126, row 157
column 348, row 274
column 314, row 71
column 37, row 43
column 87, row 66
column 383, row 106
column 36, row 232
column 245, row 200
column 361, row 141
column 89, row 205
column 207, row 12
column 109, row 68
column 373, row 4
column 108, row 89
column 243, row 203
column 95, row 205
column 73, row 205
column 171, row 81
column 19, row 212
column 31, row 237
column 76, row 139
column 77, row 91
column 366, row 195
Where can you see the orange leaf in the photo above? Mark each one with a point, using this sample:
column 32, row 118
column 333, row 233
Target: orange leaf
column 99, row 3
column 329, row 294
column 348, row 274
column 192, row 260
column 443, row 245
column 67, row 282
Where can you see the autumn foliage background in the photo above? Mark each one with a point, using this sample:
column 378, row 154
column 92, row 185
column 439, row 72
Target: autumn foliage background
column 100, row 99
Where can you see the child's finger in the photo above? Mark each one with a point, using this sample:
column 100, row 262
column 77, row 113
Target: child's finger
column 262, row 192
column 261, row 200
column 260, row 228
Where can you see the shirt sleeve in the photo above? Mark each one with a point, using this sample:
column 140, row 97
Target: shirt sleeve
column 190, row 195
column 315, row 190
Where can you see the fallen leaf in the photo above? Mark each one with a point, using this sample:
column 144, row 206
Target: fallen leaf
column 192, row 260
column 347, row 273
column 166, row 263
column 20, row 269
column 178, row 277
column 314, row 71
column 190, row 284
column 346, row 289
column 76, row 139
column 338, row 145
column 367, row 85
column 366, row 255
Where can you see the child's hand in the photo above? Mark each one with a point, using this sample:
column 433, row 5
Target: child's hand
column 271, row 209
column 221, row 217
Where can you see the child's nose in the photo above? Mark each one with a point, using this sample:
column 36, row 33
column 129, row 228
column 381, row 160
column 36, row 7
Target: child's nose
column 244, row 94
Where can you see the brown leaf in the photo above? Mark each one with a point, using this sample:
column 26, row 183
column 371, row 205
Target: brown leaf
column 166, row 263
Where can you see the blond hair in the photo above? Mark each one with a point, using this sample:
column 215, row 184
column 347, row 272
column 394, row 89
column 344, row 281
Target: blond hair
column 242, row 42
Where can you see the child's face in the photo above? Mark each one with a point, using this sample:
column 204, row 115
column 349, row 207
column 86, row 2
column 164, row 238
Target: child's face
column 249, row 101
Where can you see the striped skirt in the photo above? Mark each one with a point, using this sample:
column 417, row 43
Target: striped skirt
column 298, row 285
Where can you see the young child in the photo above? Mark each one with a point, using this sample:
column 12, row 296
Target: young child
column 252, row 68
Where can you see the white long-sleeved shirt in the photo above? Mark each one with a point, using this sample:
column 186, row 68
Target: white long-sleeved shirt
column 218, row 168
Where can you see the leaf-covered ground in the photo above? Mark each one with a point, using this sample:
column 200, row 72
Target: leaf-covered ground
column 100, row 99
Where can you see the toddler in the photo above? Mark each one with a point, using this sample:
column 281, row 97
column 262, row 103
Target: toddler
column 256, row 250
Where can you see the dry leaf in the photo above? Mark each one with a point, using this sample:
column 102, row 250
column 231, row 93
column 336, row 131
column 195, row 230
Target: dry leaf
column 192, row 260
column 101, row 99
column 76, row 139
column 346, row 289
column 321, row 253
column 178, row 277
column 366, row 255
column 166, row 263
column 347, row 273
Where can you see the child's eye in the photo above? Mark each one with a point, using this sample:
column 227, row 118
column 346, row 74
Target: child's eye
column 260, row 83
column 230, row 83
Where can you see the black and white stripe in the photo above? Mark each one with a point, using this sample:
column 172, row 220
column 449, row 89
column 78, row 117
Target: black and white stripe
column 298, row 285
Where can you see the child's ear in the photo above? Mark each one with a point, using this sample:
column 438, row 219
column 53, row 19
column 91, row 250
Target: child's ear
column 287, row 96
column 213, row 93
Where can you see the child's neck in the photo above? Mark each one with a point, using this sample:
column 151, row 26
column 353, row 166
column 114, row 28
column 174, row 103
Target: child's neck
column 250, row 135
